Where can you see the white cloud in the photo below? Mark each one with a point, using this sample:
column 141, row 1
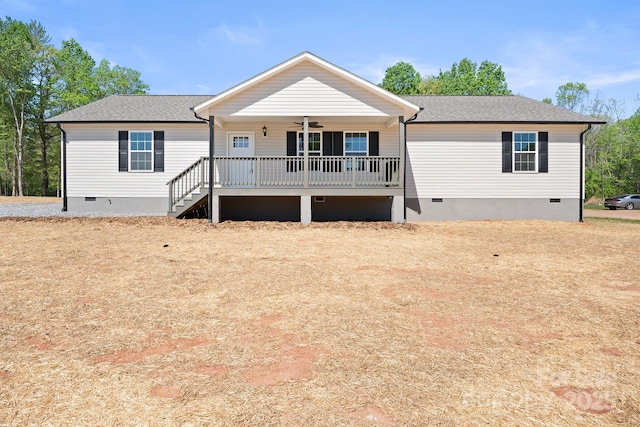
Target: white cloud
column 537, row 63
column 614, row 78
column 238, row 35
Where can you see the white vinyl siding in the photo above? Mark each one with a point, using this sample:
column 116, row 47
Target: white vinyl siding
column 92, row 159
column 275, row 143
column 307, row 90
column 465, row 161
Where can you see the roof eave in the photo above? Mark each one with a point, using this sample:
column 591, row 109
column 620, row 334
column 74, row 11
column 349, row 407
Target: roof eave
column 510, row 122
column 124, row 121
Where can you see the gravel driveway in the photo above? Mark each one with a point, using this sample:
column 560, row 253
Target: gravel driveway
column 34, row 210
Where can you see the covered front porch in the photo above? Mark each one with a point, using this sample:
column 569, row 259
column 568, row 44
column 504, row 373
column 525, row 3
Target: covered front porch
column 315, row 178
column 304, row 129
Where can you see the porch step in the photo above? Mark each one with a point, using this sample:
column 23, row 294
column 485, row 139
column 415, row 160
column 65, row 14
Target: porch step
column 188, row 203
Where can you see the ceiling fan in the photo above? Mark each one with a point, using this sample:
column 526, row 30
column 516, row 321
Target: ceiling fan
column 314, row 125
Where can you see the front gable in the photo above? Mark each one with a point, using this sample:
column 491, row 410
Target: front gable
column 306, row 86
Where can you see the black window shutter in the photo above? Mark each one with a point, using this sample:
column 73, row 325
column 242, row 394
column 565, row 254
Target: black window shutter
column 123, row 151
column 327, row 143
column 292, row 143
column 292, row 150
column 374, row 149
column 507, row 151
column 158, row 151
column 332, row 146
column 338, row 144
column 374, row 143
column 543, row 152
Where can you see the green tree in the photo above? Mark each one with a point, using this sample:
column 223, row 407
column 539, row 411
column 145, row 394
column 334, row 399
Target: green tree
column 612, row 150
column 402, row 79
column 573, row 96
column 16, row 87
column 43, row 103
column 118, row 80
column 77, row 84
column 466, row 78
column 36, row 82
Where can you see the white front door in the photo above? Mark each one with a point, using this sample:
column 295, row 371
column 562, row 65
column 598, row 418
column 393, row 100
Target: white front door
column 242, row 166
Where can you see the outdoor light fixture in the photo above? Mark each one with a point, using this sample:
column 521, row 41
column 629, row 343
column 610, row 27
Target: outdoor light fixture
column 264, row 131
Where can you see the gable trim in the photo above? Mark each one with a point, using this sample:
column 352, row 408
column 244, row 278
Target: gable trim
column 307, row 56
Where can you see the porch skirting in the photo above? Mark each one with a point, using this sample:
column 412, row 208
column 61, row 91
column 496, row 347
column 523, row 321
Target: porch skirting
column 443, row 209
column 134, row 206
column 307, row 208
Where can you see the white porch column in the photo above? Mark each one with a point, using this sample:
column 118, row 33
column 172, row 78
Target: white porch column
column 397, row 209
column 305, row 150
column 305, row 209
column 214, row 204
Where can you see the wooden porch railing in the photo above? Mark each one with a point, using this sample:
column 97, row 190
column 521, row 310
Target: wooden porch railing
column 287, row 172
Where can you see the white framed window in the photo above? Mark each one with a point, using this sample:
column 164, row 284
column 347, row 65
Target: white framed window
column 525, row 151
column 141, row 151
column 314, row 148
column 240, row 141
column 315, row 143
column 356, row 145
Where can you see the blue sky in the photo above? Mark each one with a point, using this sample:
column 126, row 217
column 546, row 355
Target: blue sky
column 204, row 47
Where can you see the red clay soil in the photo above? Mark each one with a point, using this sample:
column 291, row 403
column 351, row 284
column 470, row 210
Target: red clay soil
column 169, row 346
column 166, row 391
column 212, row 370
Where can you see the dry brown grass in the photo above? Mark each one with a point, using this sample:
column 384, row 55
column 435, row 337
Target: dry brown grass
column 29, row 199
column 164, row 322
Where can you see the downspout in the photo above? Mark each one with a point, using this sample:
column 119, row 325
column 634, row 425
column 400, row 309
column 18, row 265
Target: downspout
column 64, row 167
column 211, row 152
column 210, row 192
column 581, row 215
column 404, row 167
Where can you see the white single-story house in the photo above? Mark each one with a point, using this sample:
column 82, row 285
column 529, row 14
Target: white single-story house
column 309, row 141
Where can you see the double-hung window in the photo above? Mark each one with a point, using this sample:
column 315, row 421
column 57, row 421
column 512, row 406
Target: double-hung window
column 141, row 151
column 525, row 152
column 314, row 148
column 315, row 144
column 355, row 145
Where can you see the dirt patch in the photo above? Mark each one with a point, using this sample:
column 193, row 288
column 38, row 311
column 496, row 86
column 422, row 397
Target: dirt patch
column 212, row 370
column 583, row 399
column 373, row 415
column 40, row 343
column 610, row 351
column 296, row 365
column 5, row 375
column 166, row 392
column 169, row 346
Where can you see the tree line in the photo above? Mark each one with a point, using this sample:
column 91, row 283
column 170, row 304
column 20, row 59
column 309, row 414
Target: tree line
column 612, row 150
column 38, row 81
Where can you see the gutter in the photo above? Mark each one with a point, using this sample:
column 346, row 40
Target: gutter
column 581, row 198
column 64, row 167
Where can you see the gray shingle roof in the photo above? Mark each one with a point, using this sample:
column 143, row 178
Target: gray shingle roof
column 437, row 109
column 492, row 109
column 135, row 108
